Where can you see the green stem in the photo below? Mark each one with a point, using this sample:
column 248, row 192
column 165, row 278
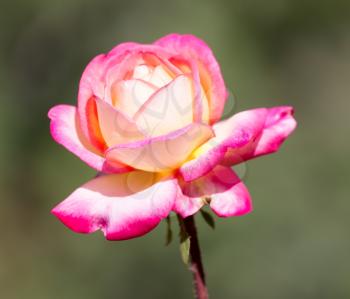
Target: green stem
column 196, row 265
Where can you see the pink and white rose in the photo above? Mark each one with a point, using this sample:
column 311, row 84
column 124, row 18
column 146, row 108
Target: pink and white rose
column 148, row 119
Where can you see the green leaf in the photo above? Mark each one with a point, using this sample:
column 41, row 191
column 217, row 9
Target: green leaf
column 184, row 242
column 169, row 232
column 185, row 250
column 208, row 218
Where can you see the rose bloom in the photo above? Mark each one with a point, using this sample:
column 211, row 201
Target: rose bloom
column 147, row 120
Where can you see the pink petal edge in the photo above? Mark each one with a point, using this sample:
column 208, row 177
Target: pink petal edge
column 96, row 76
column 65, row 131
column 161, row 153
column 232, row 133
column 191, row 47
column 227, row 194
column 123, row 206
column 235, row 200
column 278, row 125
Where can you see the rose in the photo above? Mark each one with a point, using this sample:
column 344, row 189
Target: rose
column 148, row 119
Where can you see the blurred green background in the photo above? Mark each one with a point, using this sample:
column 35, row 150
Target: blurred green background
column 295, row 244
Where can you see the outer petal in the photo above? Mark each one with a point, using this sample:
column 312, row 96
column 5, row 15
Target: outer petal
column 186, row 203
column 191, row 47
column 123, row 206
column 162, row 152
column 221, row 187
column 65, row 131
column 91, row 86
column 96, row 82
column 235, row 132
column 232, row 197
column 278, row 125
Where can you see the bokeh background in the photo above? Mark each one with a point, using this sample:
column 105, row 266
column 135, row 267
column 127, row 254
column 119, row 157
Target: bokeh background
column 296, row 243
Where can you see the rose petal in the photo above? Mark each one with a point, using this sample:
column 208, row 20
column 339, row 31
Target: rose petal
column 169, row 109
column 123, row 206
column 121, row 66
column 234, row 132
column 130, row 95
column 162, row 152
column 116, row 127
column 158, row 76
column 205, row 106
column 190, row 68
column 187, row 203
column 141, row 71
column 102, row 72
column 278, row 125
column 221, row 187
column 96, row 82
column 200, row 103
column 231, row 198
column 191, row 47
column 65, row 131
column 91, row 85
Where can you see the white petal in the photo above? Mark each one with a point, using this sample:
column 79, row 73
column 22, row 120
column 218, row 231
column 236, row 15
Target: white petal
column 169, row 109
column 130, row 95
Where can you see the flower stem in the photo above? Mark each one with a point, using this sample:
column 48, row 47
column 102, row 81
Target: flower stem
column 196, row 265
